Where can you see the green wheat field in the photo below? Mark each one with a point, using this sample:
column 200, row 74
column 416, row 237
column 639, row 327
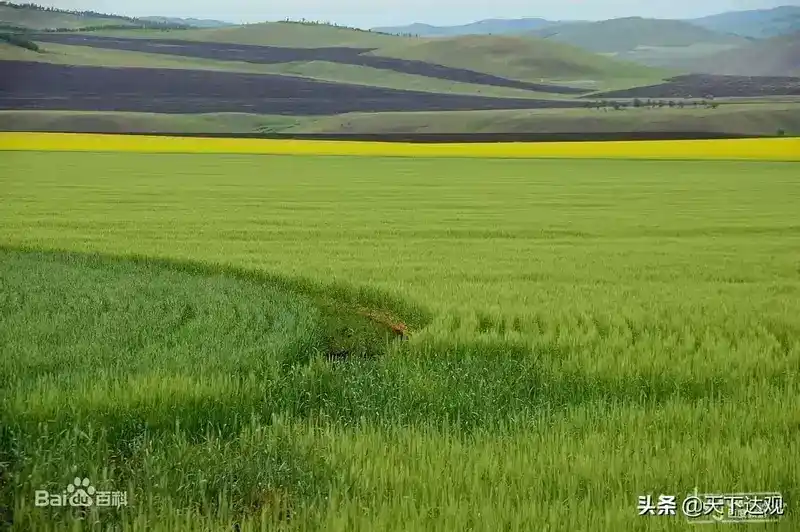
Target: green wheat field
column 581, row 333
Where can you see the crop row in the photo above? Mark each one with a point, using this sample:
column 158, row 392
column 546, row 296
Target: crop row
column 772, row 149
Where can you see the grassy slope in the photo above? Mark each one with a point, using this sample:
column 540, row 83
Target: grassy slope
column 730, row 118
column 321, row 70
column 40, row 20
column 522, row 58
column 387, row 78
column 526, row 59
column 679, row 58
column 272, row 34
column 772, row 57
column 742, row 118
column 624, row 34
column 598, row 327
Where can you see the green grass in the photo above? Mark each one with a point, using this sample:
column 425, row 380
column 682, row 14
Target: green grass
column 318, row 70
column 13, row 52
column 745, row 118
column 153, row 336
column 586, row 332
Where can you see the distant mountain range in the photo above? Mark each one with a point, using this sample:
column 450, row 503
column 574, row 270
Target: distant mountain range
column 193, row 22
column 755, row 24
column 492, row 26
column 759, row 42
column 758, row 23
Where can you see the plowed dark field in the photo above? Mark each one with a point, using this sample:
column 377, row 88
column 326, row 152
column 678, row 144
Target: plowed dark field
column 274, row 54
column 702, row 85
column 29, row 85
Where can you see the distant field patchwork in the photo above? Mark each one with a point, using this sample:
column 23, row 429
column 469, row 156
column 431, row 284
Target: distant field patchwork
column 275, row 54
column 174, row 76
column 316, row 70
column 63, row 87
column 705, row 85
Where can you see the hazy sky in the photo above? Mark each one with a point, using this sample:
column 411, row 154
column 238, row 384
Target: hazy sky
column 369, row 13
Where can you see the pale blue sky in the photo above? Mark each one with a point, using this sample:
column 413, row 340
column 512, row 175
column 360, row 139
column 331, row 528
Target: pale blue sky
column 370, row 13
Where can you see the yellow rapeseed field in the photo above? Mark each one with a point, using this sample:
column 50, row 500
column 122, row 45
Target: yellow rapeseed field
column 773, row 149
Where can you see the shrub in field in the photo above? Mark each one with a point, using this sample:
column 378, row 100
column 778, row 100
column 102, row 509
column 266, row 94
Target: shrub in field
column 20, row 40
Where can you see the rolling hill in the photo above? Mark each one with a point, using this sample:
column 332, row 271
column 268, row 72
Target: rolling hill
column 778, row 56
column 627, row 34
column 520, row 58
column 39, row 19
column 288, row 34
column 755, row 23
column 482, row 27
column 33, row 17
